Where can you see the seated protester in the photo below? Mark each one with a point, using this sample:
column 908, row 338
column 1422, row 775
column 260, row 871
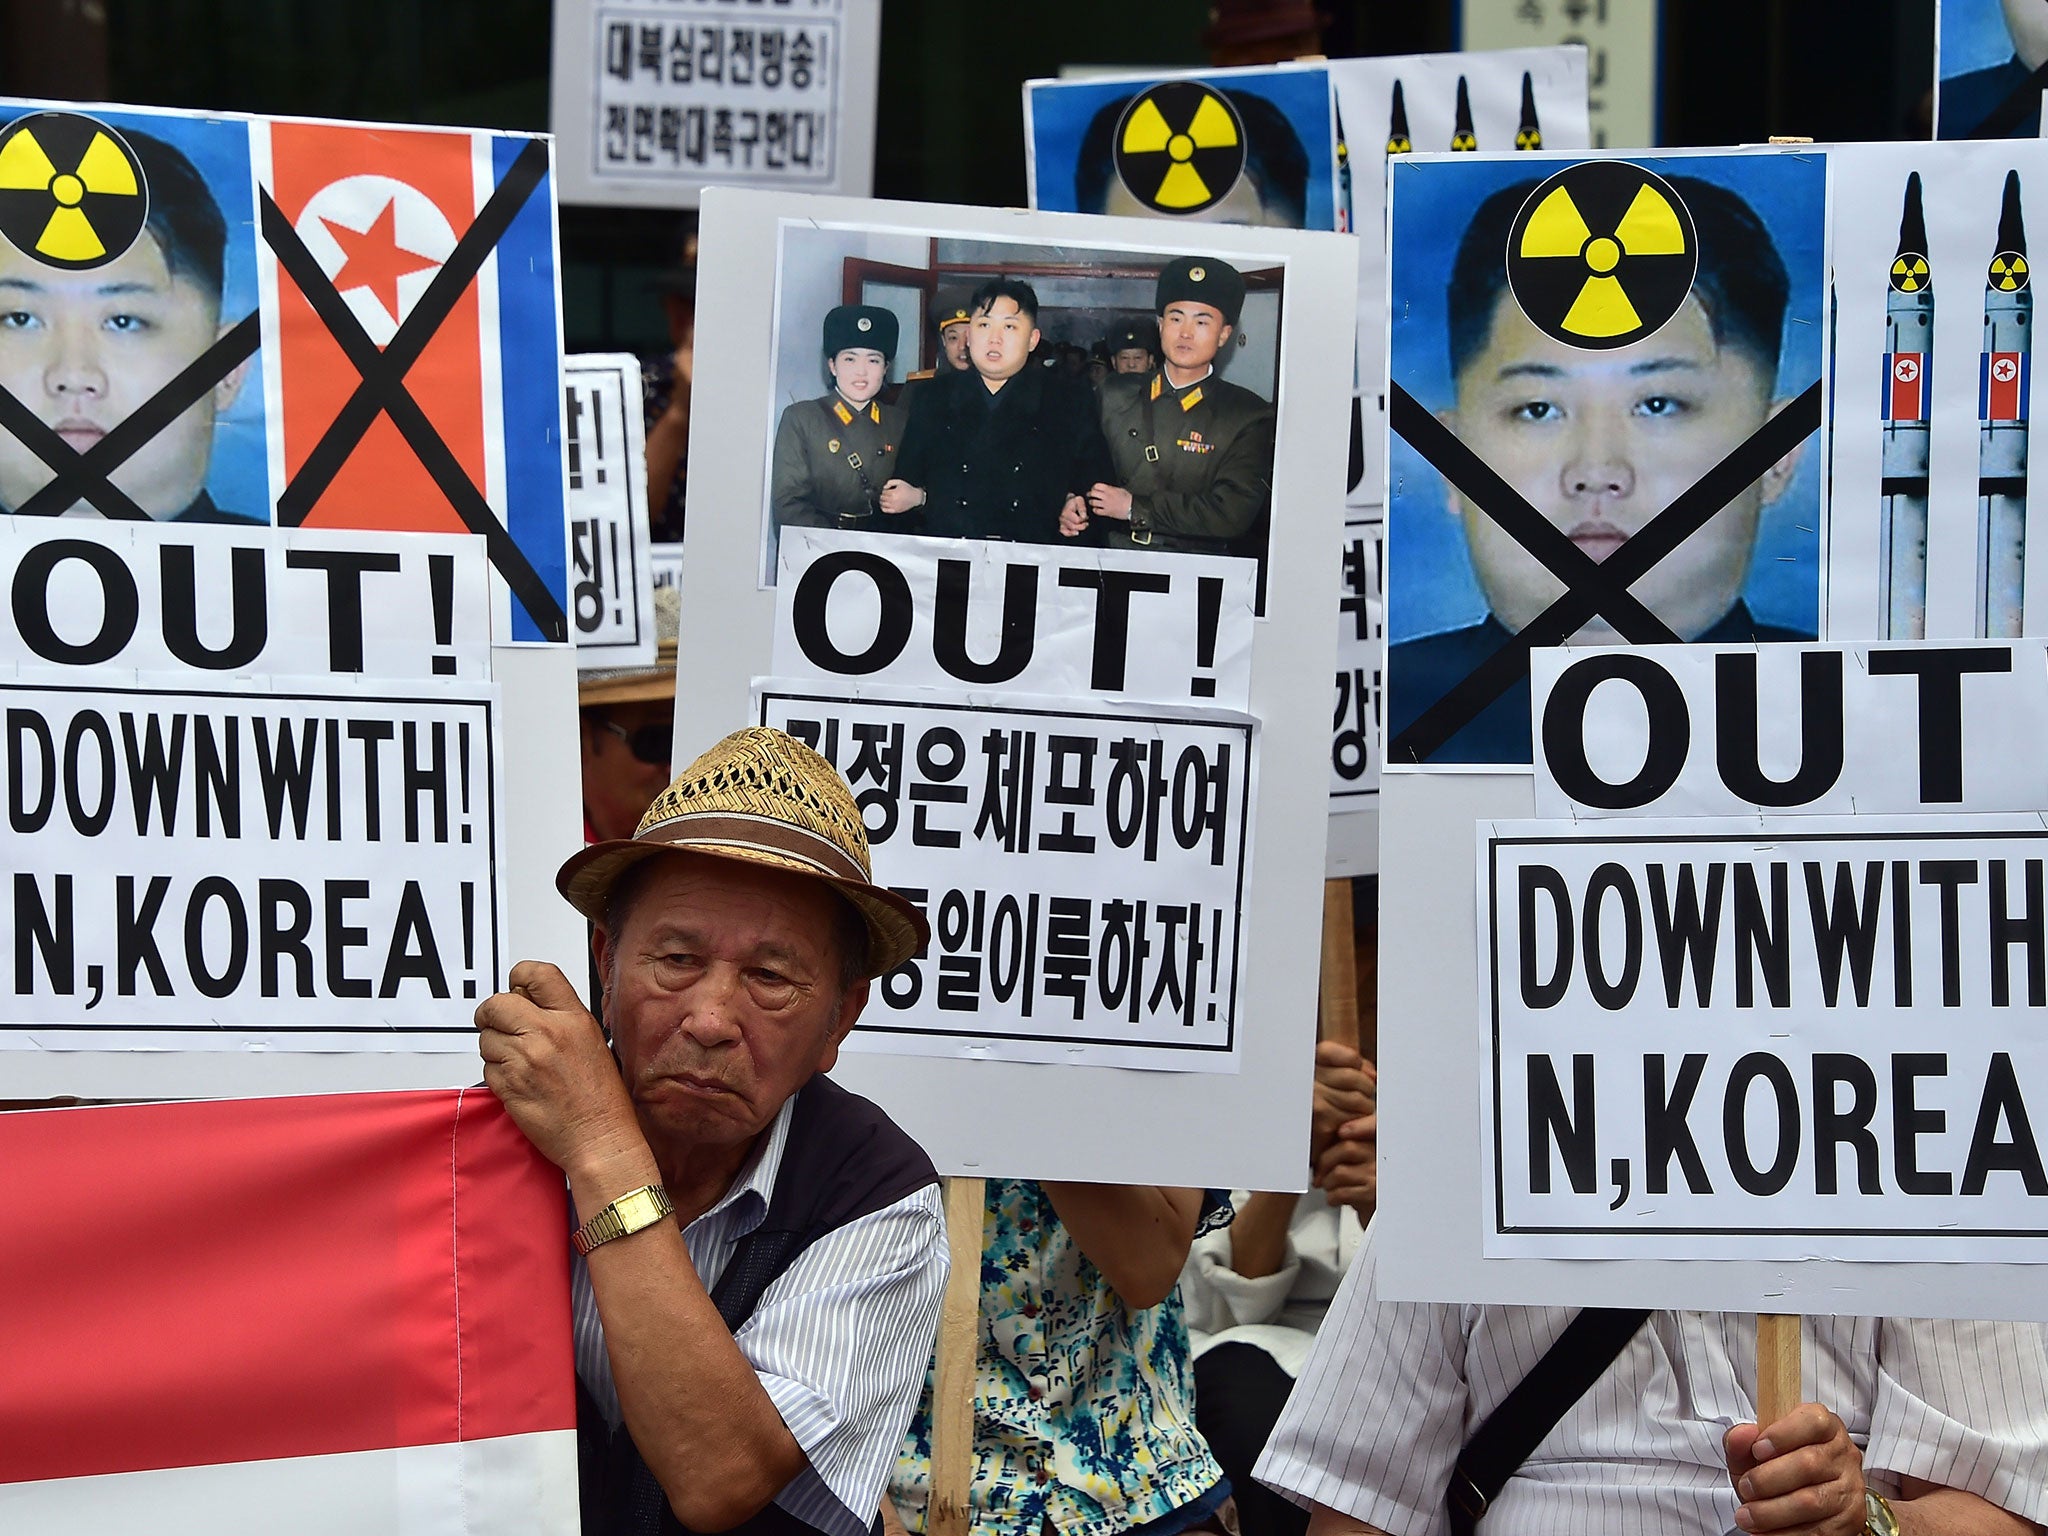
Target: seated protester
column 1917, row 1427
column 833, row 454
column 1256, row 1291
column 1083, row 1419
column 1193, row 452
column 761, row 1254
column 1001, row 451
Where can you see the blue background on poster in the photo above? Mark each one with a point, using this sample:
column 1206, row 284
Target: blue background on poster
column 1061, row 112
column 1973, row 36
column 530, row 346
column 238, row 475
column 1430, row 584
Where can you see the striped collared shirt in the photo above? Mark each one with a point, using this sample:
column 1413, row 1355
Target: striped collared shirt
column 1394, row 1390
column 841, row 1340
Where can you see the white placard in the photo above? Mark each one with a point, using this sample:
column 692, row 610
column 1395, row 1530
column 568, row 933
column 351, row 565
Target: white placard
column 954, row 613
column 1715, row 730
column 245, row 601
column 611, row 578
column 1083, row 871
column 1229, row 1128
column 654, row 100
column 278, row 871
column 1933, row 402
column 1620, row 39
column 1806, row 1041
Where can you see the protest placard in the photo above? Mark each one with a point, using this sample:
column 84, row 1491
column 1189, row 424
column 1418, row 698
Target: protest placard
column 1093, row 758
column 610, row 541
column 1772, row 938
column 654, row 100
column 311, row 565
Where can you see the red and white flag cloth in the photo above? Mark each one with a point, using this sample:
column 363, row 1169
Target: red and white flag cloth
column 334, row 1316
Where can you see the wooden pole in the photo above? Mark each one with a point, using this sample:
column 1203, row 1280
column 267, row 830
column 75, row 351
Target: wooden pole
column 1777, row 1367
column 1339, row 1010
column 953, row 1374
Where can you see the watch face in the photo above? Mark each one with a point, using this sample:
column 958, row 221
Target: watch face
column 1878, row 1517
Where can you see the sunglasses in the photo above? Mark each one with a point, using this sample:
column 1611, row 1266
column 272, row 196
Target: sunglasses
column 651, row 744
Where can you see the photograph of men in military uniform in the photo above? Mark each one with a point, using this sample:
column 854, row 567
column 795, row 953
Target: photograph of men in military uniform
column 834, row 454
column 1193, row 452
column 1001, row 452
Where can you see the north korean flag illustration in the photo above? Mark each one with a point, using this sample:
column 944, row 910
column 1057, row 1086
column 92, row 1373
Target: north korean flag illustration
column 1905, row 386
column 2002, row 386
column 458, row 427
column 326, row 1315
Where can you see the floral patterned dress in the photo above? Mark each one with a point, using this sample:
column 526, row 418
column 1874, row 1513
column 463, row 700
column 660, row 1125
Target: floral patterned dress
column 1084, row 1409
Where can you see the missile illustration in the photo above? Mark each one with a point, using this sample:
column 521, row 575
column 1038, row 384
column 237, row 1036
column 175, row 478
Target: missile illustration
column 2004, row 371
column 1530, row 134
column 1346, row 224
column 1908, row 355
column 1398, row 141
column 1462, row 136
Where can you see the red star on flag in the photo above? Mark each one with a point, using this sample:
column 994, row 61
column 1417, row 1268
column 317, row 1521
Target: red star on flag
column 373, row 259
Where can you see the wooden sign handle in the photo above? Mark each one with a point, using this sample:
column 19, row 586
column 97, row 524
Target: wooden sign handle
column 952, row 1472
column 1777, row 1367
column 1339, row 1010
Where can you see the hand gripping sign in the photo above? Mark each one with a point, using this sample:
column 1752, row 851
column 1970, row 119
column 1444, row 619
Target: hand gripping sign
column 237, row 320
column 1615, row 389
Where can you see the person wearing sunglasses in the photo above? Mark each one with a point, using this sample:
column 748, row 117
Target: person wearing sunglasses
column 628, row 724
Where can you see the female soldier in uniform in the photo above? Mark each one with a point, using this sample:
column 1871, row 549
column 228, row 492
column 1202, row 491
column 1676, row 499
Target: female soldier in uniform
column 833, row 454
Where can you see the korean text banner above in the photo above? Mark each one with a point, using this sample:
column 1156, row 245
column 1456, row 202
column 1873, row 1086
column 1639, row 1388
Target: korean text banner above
column 256, row 321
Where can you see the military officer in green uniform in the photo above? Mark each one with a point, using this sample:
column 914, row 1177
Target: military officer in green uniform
column 1193, row 452
column 834, row 454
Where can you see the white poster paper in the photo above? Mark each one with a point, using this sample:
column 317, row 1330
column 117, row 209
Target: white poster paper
column 954, row 613
column 778, row 264
column 1703, row 730
column 1358, row 724
column 654, row 100
column 244, row 602
column 1933, row 487
column 311, row 870
column 1083, row 872
column 1812, row 1040
column 1620, row 39
column 611, row 576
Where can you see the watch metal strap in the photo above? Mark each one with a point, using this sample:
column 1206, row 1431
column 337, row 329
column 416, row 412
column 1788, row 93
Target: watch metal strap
column 634, row 1211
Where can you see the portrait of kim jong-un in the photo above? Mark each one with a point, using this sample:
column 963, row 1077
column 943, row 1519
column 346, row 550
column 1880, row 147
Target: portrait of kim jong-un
column 1588, row 341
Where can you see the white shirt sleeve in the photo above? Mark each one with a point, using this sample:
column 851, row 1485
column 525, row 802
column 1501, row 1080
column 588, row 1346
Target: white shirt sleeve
column 1965, row 1405
column 842, row 1342
column 1377, row 1419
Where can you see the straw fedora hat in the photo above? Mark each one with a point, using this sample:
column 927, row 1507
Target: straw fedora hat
column 759, row 797
column 640, row 685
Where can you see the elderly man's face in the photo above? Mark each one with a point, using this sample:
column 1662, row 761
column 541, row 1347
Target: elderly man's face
column 723, row 996
column 1133, row 360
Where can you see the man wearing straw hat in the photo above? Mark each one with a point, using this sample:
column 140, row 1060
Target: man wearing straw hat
column 760, row 1254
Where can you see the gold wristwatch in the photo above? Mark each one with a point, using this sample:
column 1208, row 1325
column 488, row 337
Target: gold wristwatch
column 634, row 1211
column 1879, row 1518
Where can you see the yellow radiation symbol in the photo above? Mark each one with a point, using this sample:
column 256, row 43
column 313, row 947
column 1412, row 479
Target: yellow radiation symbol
column 1400, row 144
column 1909, row 271
column 1602, row 254
column 1464, row 141
column 2008, row 272
column 1180, row 147
column 1528, row 138
column 72, row 193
